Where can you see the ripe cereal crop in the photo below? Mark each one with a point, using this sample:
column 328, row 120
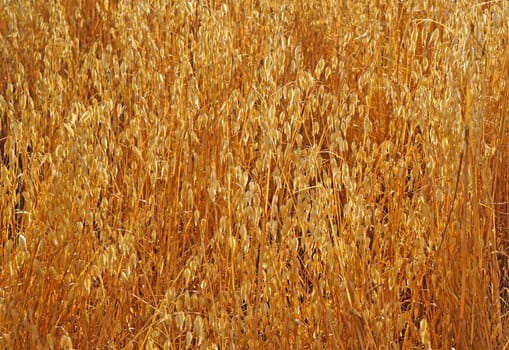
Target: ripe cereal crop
column 254, row 174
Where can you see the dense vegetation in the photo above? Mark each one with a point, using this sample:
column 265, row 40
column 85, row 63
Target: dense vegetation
column 254, row 174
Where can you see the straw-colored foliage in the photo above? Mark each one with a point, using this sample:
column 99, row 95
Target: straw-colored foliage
column 254, row 174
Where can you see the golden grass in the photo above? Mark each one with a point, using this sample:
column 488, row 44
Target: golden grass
column 254, row 174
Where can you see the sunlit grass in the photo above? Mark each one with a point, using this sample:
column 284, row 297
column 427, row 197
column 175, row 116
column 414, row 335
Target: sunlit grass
column 254, row 174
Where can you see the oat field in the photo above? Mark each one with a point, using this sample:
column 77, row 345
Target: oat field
column 246, row 174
